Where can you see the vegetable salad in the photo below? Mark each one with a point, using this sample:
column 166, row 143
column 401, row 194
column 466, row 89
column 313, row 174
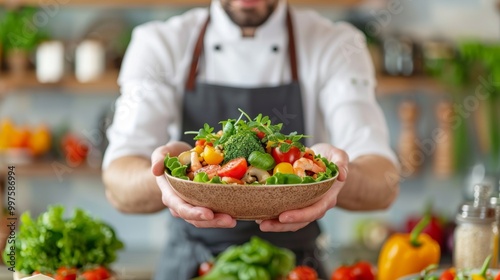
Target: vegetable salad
column 249, row 151
column 459, row 274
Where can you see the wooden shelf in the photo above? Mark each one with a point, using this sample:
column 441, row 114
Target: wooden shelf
column 107, row 84
column 387, row 85
column 159, row 3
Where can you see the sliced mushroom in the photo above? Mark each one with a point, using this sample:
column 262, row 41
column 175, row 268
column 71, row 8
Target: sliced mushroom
column 185, row 157
column 255, row 174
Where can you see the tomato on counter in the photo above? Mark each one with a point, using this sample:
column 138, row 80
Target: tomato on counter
column 302, row 272
column 66, row 273
column 204, row 268
column 361, row 270
column 98, row 273
column 448, row 274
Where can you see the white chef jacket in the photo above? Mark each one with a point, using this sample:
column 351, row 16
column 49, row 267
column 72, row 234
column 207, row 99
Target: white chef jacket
column 335, row 72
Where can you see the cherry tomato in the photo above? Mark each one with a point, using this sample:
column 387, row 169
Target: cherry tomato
column 235, row 168
column 66, row 273
column 448, row 274
column 291, row 156
column 361, row 270
column 283, row 168
column 364, row 270
column 302, row 272
column 342, row 273
column 259, row 133
column 200, row 142
column 90, row 275
column 102, row 272
column 74, row 149
column 212, row 156
column 204, row 268
column 498, row 276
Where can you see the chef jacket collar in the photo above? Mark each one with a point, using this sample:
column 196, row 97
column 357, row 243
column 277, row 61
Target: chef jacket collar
column 225, row 27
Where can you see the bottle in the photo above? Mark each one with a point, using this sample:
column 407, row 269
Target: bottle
column 476, row 233
column 90, row 61
column 495, row 204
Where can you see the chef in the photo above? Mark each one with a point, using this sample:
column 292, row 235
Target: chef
column 263, row 56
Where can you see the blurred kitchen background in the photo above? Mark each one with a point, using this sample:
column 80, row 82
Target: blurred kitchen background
column 438, row 64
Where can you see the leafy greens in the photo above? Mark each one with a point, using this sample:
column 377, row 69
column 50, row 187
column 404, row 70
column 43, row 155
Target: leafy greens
column 50, row 241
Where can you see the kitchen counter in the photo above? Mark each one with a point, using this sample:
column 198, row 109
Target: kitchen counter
column 131, row 265
column 140, row 265
column 136, row 265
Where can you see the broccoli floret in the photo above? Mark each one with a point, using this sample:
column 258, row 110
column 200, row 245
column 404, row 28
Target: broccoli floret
column 241, row 144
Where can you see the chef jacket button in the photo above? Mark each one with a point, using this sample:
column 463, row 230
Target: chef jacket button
column 275, row 49
column 217, row 47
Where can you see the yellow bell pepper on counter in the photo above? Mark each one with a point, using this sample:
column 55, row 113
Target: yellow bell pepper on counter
column 407, row 253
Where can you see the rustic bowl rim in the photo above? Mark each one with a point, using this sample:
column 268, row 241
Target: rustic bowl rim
column 180, row 186
column 333, row 179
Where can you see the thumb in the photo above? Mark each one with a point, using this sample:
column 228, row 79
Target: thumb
column 157, row 158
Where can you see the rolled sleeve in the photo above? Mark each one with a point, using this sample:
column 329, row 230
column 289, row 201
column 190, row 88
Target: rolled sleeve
column 147, row 111
column 355, row 120
column 143, row 120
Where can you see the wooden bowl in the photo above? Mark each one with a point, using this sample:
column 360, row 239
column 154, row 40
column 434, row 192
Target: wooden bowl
column 250, row 202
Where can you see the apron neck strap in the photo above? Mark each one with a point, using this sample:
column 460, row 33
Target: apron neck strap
column 191, row 81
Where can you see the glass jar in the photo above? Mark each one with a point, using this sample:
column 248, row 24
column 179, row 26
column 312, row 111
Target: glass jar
column 495, row 204
column 476, row 233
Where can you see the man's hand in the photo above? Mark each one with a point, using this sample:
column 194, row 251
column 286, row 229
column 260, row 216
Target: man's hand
column 294, row 220
column 198, row 216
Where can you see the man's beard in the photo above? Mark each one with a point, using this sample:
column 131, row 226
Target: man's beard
column 249, row 17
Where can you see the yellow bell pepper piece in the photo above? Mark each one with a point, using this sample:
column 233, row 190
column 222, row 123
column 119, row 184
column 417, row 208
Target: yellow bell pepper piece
column 482, row 275
column 403, row 254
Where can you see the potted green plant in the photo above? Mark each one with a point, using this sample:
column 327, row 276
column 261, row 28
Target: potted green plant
column 20, row 38
column 472, row 75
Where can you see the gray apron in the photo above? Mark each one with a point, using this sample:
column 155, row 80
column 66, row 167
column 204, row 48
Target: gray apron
column 187, row 245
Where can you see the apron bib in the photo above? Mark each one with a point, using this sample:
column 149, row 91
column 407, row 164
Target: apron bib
column 188, row 246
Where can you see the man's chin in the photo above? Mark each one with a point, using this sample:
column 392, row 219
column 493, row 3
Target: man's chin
column 248, row 13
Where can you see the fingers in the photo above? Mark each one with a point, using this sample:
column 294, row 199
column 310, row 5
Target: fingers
column 157, row 158
column 158, row 155
column 277, row 226
column 219, row 221
column 341, row 159
column 307, row 214
column 198, row 216
column 294, row 220
column 179, row 207
column 335, row 155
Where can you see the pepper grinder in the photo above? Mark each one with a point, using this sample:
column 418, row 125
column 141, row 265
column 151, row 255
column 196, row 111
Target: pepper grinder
column 443, row 157
column 410, row 156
